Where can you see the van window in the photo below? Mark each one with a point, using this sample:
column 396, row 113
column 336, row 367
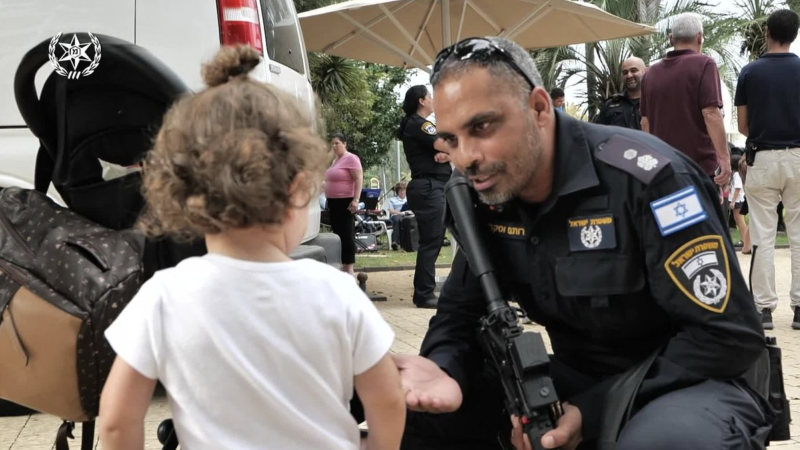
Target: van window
column 282, row 35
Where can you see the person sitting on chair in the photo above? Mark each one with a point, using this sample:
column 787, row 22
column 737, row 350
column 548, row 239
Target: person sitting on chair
column 398, row 208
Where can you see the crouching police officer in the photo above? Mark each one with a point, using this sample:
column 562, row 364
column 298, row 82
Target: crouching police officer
column 612, row 241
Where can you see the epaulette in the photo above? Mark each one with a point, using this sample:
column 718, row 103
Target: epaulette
column 633, row 157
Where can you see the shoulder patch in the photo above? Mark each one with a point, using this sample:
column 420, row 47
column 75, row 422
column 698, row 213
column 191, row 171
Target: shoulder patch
column 700, row 269
column 632, row 157
column 429, row 128
column 678, row 211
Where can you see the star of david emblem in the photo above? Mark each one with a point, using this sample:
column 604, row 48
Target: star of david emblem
column 75, row 52
column 681, row 210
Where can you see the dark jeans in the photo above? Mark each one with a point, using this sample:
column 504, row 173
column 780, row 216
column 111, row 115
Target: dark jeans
column 426, row 199
column 395, row 221
column 343, row 224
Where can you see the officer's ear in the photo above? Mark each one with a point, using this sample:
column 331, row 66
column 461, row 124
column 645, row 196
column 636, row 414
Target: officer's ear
column 540, row 102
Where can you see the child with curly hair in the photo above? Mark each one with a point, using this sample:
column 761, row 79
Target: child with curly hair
column 255, row 350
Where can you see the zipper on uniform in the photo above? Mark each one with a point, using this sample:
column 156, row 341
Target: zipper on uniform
column 7, row 225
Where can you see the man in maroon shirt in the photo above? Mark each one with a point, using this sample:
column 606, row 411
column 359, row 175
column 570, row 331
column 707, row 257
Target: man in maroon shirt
column 681, row 101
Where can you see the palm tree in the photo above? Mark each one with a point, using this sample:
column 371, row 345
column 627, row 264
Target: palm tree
column 332, row 76
column 752, row 25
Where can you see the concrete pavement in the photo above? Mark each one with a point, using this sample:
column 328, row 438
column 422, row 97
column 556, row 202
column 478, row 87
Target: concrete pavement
column 37, row 432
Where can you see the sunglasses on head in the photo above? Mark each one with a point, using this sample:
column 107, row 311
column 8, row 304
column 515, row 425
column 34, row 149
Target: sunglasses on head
column 478, row 49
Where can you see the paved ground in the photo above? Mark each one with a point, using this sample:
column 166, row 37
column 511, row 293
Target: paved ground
column 38, row 431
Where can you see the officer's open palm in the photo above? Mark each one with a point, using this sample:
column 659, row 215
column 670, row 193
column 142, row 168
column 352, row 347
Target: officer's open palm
column 566, row 435
column 428, row 388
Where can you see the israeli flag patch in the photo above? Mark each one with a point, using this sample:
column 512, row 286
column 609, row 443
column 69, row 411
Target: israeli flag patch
column 678, row 211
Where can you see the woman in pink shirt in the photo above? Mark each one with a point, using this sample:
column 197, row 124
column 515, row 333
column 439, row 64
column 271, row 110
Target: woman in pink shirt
column 343, row 182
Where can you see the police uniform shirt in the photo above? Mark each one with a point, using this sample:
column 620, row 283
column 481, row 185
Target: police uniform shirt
column 419, row 135
column 622, row 111
column 625, row 257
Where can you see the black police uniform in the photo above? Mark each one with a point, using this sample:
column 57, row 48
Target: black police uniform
column 626, row 256
column 425, row 194
column 622, row 111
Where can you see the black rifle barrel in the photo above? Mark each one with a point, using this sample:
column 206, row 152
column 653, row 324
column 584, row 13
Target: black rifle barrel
column 460, row 202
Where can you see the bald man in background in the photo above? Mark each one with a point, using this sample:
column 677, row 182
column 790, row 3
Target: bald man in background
column 622, row 109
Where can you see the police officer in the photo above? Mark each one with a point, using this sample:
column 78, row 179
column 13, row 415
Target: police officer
column 430, row 170
column 622, row 109
column 612, row 241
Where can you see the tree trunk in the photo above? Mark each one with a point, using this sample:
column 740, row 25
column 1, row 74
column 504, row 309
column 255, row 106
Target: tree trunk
column 591, row 82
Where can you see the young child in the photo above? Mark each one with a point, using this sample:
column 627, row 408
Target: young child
column 736, row 199
column 255, row 350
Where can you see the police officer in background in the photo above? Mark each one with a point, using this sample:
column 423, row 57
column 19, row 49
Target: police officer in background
column 622, row 109
column 430, row 170
column 611, row 240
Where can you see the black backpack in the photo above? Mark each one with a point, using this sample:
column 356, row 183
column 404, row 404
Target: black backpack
column 111, row 115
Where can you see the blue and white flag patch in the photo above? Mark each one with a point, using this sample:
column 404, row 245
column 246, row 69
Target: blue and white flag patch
column 678, row 211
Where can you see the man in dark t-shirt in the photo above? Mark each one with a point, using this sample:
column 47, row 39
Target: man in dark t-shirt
column 768, row 104
column 681, row 101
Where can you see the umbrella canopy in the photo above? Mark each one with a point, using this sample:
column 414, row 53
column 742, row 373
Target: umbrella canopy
column 406, row 33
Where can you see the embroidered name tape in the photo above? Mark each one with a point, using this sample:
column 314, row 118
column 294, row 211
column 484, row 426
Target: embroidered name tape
column 591, row 233
column 678, row 211
column 512, row 230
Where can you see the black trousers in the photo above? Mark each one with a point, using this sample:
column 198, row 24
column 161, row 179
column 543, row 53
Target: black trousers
column 343, row 225
column 426, row 200
column 712, row 415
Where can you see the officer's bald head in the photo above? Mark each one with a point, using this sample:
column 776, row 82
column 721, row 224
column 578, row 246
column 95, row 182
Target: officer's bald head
column 506, row 77
column 496, row 119
column 633, row 69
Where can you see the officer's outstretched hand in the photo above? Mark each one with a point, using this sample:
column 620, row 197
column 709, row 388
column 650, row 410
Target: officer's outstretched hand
column 566, row 435
column 428, row 388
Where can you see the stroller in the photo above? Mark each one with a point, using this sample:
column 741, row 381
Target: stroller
column 368, row 227
column 91, row 124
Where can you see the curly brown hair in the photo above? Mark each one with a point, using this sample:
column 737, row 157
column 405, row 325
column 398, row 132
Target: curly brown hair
column 227, row 156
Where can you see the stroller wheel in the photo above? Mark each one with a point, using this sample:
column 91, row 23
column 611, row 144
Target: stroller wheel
column 165, row 431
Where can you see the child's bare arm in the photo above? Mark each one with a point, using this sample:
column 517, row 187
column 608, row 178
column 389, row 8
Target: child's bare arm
column 123, row 405
column 384, row 404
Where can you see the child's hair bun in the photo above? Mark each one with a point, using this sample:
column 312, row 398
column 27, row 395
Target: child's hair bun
column 230, row 62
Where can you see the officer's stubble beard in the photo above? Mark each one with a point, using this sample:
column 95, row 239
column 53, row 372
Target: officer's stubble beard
column 524, row 162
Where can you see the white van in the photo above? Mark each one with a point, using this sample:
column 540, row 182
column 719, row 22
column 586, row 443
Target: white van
column 181, row 33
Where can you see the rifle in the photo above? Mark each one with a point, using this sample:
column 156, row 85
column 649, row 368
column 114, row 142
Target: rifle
column 520, row 357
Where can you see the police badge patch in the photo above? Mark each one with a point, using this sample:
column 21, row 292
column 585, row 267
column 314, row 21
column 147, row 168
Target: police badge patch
column 700, row 270
column 429, row 128
column 591, row 233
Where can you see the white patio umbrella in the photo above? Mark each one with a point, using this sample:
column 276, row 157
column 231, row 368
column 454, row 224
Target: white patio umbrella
column 405, row 33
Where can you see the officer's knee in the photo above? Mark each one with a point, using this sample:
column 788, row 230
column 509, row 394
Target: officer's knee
column 676, row 428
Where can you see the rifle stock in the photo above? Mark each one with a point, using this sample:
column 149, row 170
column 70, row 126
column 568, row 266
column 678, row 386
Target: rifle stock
column 520, row 357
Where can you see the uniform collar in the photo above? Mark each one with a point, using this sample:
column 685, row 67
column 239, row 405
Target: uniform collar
column 574, row 165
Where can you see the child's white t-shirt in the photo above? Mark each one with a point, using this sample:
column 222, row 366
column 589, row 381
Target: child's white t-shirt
column 736, row 183
column 254, row 355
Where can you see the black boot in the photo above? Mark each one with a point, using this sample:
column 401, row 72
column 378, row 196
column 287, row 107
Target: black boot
column 796, row 320
column 766, row 318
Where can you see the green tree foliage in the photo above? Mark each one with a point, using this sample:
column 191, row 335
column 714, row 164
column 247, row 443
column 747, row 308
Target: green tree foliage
column 368, row 114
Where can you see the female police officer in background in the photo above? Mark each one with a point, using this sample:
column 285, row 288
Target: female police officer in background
column 430, row 170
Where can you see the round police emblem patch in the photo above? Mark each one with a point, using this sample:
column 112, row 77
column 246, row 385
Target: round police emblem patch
column 591, row 236
column 700, row 270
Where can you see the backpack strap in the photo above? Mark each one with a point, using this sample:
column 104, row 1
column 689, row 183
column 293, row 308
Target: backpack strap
column 65, row 432
column 48, row 158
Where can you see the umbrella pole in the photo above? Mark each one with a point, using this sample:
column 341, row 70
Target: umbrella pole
column 447, row 38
